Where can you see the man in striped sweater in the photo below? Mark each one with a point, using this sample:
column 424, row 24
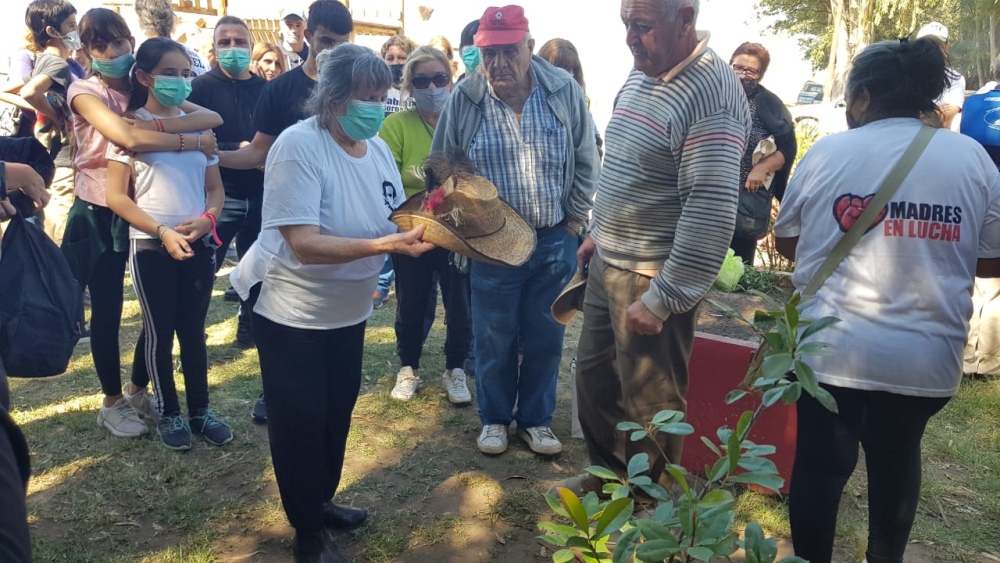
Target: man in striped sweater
column 663, row 218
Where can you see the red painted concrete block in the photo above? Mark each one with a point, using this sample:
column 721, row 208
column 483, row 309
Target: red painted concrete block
column 718, row 365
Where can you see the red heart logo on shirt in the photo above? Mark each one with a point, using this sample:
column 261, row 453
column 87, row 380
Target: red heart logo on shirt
column 848, row 207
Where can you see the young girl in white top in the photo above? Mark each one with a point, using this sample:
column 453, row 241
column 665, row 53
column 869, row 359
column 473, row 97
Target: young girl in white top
column 172, row 212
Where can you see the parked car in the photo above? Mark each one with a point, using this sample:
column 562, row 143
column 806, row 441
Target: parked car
column 824, row 118
column 811, row 93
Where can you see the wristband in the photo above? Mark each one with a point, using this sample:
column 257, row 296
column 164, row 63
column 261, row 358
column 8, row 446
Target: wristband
column 158, row 227
column 199, row 142
column 182, row 142
column 158, row 124
column 215, row 234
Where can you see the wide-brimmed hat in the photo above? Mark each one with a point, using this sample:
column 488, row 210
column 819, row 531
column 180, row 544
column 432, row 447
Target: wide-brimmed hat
column 466, row 215
column 570, row 300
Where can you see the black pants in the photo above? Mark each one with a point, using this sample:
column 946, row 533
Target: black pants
column 311, row 380
column 15, row 540
column 745, row 248
column 174, row 296
column 889, row 427
column 240, row 219
column 414, row 289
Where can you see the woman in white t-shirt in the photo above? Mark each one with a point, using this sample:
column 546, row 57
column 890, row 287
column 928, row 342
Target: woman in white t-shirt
column 329, row 187
column 177, row 197
column 903, row 294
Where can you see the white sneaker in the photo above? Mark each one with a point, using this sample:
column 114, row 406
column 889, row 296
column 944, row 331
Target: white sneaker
column 541, row 440
column 407, row 384
column 121, row 420
column 453, row 380
column 142, row 403
column 493, row 439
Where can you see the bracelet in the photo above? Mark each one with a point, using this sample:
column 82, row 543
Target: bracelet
column 182, row 141
column 158, row 124
column 215, row 233
column 158, row 227
column 199, row 142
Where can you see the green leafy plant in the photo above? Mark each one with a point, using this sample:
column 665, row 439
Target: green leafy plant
column 764, row 281
column 696, row 523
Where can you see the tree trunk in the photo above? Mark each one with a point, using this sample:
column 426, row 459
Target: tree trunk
column 837, row 9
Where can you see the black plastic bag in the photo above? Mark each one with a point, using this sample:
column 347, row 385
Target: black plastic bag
column 41, row 305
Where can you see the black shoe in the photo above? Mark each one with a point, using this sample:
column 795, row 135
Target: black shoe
column 259, row 412
column 316, row 548
column 244, row 336
column 231, row 295
column 341, row 517
column 213, row 430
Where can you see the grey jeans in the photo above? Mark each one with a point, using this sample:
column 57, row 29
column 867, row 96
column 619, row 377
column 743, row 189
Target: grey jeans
column 622, row 376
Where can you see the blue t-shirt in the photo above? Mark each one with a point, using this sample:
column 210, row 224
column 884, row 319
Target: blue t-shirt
column 981, row 121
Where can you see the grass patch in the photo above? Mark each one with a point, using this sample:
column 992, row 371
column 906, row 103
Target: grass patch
column 98, row 499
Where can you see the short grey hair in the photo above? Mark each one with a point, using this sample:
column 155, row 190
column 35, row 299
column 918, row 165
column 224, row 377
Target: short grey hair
column 672, row 7
column 343, row 71
column 156, row 16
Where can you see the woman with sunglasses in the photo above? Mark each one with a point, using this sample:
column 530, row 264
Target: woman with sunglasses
column 427, row 75
column 770, row 120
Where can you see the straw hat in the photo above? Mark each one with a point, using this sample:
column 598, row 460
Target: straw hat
column 570, row 300
column 466, row 215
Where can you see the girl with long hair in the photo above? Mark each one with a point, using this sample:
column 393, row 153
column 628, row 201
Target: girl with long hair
column 172, row 213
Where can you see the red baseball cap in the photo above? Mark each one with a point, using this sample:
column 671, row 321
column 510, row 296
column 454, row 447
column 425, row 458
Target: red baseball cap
column 501, row 26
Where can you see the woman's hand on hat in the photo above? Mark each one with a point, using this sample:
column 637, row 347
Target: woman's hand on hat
column 409, row 242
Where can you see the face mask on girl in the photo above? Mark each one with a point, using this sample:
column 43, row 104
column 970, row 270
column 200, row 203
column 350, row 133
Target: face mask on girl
column 749, row 84
column 171, row 91
column 470, row 57
column 117, row 67
column 363, row 119
column 72, row 41
column 431, row 100
column 235, row 60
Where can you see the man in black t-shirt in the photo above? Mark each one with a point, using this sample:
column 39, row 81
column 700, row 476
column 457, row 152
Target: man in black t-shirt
column 282, row 104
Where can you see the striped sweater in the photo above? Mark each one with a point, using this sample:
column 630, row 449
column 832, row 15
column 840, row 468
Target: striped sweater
column 669, row 188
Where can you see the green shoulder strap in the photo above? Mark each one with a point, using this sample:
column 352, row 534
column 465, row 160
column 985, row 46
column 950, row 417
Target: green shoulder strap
column 885, row 192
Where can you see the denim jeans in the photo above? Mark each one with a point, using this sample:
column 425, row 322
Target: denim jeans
column 386, row 276
column 511, row 304
column 239, row 219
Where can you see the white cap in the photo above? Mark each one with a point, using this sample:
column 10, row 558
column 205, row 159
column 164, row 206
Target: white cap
column 934, row 29
column 299, row 12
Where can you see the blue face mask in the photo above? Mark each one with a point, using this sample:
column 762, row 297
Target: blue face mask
column 171, row 91
column 117, row 67
column 363, row 119
column 471, row 59
column 235, row 60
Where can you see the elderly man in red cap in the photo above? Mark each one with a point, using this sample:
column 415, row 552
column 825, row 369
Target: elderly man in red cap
column 525, row 124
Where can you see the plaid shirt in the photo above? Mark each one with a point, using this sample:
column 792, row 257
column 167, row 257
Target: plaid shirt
column 525, row 160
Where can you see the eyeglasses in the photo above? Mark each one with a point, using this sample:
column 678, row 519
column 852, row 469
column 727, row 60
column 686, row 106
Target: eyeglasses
column 440, row 80
column 751, row 72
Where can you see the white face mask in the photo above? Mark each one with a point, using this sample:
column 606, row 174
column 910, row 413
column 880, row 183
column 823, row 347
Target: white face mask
column 431, row 100
column 72, row 41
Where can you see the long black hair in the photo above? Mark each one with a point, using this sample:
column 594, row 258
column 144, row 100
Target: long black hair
column 903, row 79
column 146, row 59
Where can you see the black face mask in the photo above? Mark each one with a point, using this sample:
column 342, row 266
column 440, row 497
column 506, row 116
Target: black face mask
column 749, row 85
column 397, row 74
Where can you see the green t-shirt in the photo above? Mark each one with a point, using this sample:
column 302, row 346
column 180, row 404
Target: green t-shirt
column 409, row 139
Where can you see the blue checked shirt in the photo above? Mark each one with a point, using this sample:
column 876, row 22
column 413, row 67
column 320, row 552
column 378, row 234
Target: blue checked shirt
column 525, row 160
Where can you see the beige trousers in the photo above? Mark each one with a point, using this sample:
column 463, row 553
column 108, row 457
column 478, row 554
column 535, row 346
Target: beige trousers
column 982, row 351
column 60, row 202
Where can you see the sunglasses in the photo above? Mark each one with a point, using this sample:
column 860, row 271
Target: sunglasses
column 440, row 80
